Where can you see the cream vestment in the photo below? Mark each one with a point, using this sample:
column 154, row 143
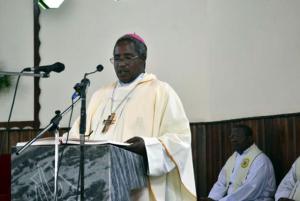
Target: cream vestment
column 150, row 109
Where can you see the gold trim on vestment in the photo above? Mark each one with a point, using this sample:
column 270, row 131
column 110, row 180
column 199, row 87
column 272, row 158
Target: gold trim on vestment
column 171, row 157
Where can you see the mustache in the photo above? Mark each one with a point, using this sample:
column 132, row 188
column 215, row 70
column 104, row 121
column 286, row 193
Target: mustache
column 122, row 70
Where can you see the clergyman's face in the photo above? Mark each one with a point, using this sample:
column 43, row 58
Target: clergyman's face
column 239, row 141
column 128, row 65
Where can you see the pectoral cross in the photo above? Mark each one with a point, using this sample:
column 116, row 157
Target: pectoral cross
column 111, row 119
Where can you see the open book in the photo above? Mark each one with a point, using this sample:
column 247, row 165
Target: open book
column 51, row 141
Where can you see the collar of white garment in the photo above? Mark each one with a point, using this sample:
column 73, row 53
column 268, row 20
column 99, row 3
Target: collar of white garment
column 246, row 151
column 134, row 82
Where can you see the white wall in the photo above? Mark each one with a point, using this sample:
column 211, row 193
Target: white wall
column 16, row 52
column 226, row 59
column 82, row 35
column 254, row 59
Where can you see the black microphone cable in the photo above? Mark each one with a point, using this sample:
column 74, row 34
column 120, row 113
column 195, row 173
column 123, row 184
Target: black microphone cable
column 11, row 108
column 14, row 97
column 70, row 120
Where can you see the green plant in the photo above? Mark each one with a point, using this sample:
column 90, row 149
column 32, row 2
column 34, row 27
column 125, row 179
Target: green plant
column 5, row 81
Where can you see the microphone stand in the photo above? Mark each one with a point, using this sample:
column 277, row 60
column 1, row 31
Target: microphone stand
column 42, row 75
column 81, row 89
column 54, row 129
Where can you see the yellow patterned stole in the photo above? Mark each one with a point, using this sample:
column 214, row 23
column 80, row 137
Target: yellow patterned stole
column 244, row 167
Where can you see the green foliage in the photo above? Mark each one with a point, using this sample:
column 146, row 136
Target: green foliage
column 5, row 81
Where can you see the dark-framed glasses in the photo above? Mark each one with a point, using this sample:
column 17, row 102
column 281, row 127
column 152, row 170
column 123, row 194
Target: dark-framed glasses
column 126, row 60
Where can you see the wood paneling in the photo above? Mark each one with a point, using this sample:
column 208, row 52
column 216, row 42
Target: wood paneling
column 278, row 136
column 10, row 138
column 37, row 60
column 5, row 177
column 199, row 155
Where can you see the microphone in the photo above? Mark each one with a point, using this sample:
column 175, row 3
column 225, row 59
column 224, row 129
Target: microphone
column 99, row 68
column 56, row 67
column 78, row 86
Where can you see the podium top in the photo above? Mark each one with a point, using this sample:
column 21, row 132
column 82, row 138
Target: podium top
column 51, row 141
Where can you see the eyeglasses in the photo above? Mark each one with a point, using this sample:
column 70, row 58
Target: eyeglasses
column 126, row 60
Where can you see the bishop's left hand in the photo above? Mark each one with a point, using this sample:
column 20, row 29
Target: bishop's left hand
column 137, row 146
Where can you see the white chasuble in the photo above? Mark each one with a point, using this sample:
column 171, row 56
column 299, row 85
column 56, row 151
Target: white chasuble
column 151, row 110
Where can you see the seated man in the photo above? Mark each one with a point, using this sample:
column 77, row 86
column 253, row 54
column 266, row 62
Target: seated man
column 247, row 175
column 289, row 187
column 146, row 112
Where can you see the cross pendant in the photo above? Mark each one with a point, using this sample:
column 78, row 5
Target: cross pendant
column 111, row 119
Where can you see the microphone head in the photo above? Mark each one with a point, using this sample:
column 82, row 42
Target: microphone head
column 58, row 67
column 100, row 68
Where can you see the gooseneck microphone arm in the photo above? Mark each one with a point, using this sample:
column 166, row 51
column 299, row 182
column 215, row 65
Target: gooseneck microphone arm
column 99, row 68
column 42, row 75
column 80, row 88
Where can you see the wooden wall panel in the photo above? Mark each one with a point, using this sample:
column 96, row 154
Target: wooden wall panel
column 11, row 138
column 278, row 136
column 199, row 154
column 297, row 135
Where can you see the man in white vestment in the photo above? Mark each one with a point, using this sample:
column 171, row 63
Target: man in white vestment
column 144, row 111
column 289, row 187
column 247, row 175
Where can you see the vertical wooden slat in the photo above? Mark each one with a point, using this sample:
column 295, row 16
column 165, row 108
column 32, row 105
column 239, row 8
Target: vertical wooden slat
column 37, row 60
column 199, row 154
column 297, row 135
